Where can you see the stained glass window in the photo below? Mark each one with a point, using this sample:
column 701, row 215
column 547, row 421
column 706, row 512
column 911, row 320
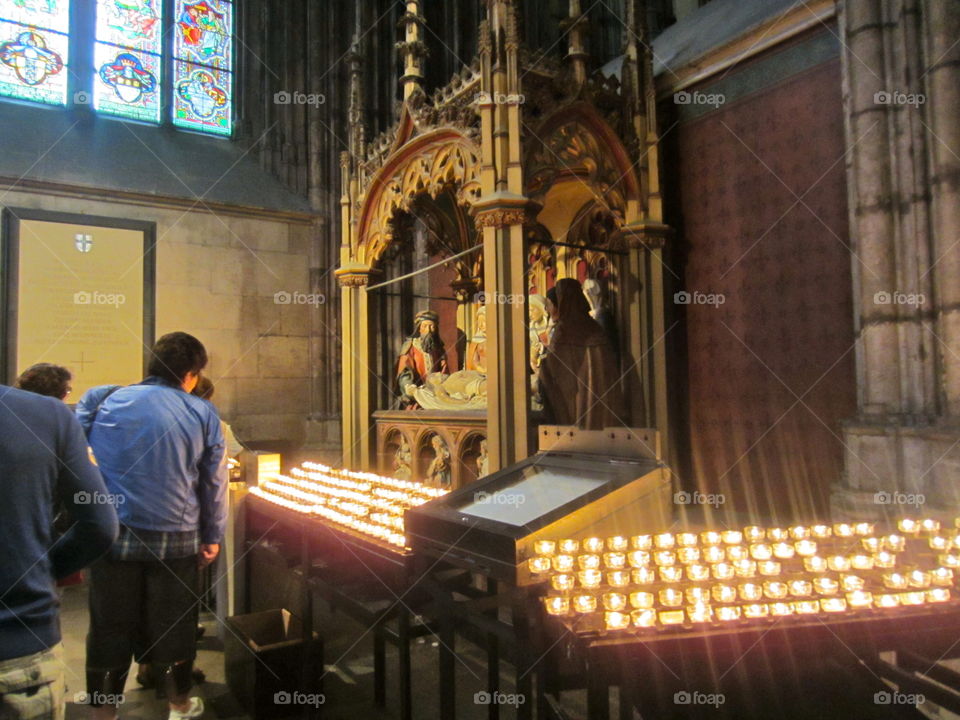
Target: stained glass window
column 128, row 58
column 34, row 50
column 138, row 64
column 202, row 65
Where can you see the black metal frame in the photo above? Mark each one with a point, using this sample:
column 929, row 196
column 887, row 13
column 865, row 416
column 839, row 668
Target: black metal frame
column 794, row 655
column 9, row 275
column 488, row 546
column 394, row 570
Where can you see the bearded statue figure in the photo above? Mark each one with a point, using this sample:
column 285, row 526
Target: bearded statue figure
column 422, row 354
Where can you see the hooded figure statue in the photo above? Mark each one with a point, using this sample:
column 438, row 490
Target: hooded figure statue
column 579, row 378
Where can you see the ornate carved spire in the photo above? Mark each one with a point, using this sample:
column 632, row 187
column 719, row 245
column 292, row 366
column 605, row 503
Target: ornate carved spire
column 577, row 54
column 412, row 49
column 355, row 109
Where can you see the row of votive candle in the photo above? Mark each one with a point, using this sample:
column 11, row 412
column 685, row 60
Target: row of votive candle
column 715, row 576
column 653, row 617
column 363, row 502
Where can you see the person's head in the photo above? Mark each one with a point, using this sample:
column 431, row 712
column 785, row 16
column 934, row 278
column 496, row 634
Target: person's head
column 537, row 308
column 591, row 288
column 552, row 306
column 425, row 326
column 480, row 325
column 46, row 379
column 571, row 302
column 178, row 358
column 204, row 388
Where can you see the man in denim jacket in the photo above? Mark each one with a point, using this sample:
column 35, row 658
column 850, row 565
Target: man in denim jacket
column 160, row 450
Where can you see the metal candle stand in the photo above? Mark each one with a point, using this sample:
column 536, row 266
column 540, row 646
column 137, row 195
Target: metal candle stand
column 330, row 557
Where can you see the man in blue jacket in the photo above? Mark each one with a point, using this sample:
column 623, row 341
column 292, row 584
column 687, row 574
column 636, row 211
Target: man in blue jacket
column 43, row 455
column 160, row 450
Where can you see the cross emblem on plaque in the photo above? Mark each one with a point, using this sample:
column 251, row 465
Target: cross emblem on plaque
column 83, row 242
column 82, row 362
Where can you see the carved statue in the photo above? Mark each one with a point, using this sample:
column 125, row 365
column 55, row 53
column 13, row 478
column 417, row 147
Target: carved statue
column 402, row 460
column 539, row 329
column 483, row 460
column 422, row 353
column 600, row 312
column 439, row 471
column 464, row 390
column 477, row 348
column 579, row 376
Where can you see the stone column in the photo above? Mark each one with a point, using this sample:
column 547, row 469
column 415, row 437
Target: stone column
column 500, row 214
column 358, row 396
column 643, row 291
column 900, row 83
column 508, row 338
column 465, row 291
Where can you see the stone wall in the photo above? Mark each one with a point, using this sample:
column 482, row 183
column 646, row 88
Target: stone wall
column 757, row 194
column 217, row 276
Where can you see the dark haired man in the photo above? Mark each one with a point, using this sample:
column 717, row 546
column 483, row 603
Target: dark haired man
column 160, row 450
column 42, row 455
column 46, row 379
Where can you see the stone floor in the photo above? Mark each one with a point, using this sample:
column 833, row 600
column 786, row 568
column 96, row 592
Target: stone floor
column 348, row 682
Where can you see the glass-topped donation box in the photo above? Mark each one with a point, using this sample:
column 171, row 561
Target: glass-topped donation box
column 593, row 482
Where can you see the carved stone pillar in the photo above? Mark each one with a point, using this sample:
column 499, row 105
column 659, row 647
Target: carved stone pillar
column 646, row 383
column 465, row 291
column 900, row 81
column 357, row 376
column 508, row 340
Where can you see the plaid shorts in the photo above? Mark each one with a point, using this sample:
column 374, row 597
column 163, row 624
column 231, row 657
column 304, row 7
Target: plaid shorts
column 134, row 544
column 33, row 687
